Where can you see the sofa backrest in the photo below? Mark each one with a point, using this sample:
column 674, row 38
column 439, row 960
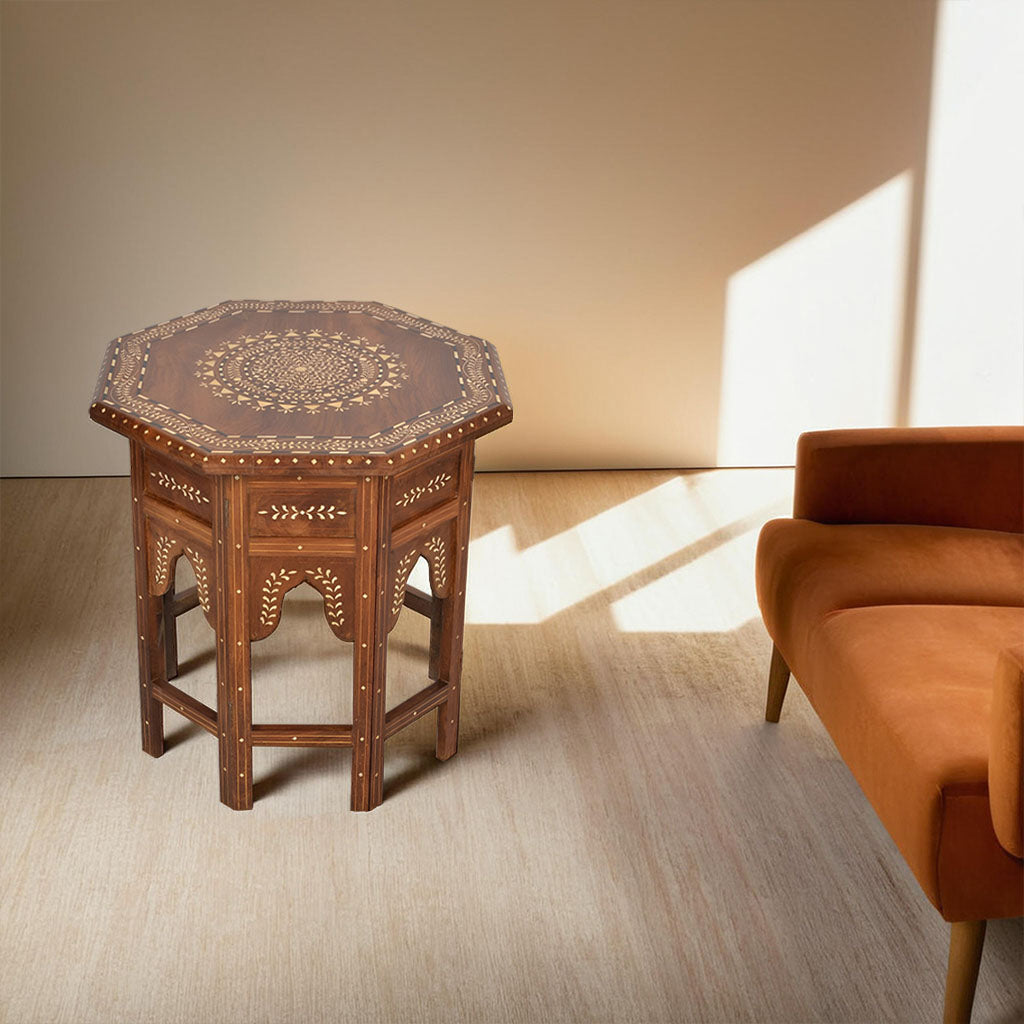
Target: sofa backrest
column 935, row 476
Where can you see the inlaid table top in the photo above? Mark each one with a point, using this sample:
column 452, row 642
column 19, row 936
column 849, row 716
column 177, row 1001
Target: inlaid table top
column 255, row 387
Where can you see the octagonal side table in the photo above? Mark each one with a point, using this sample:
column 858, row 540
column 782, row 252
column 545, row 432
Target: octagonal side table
column 280, row 443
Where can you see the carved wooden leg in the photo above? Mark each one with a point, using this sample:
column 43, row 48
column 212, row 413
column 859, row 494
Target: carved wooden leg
column 778, row 680
column 966, row 941
column 150, row 621
column 151, row 670
column 369, row 691
column 453, row 618
column 368, row 706
column 234, row 719
column 170, row 623
column 234, row 679
column 434, row 655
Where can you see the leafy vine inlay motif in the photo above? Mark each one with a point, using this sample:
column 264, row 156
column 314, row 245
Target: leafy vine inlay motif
column 311, row 512
column 276, row 583
column 188, row 490
column 402, row 571
column 332, row 594
column 202, row 577
column 162, row 562
column 420, row 490
column 270, row 604
column 438, row 552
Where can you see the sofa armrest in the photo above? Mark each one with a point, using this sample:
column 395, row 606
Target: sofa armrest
column 934, row 476
column 1005, row 758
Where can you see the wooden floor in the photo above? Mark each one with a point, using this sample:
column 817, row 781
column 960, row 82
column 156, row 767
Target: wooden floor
column 621, row 837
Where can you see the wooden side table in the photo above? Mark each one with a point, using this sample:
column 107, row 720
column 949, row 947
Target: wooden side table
column 281, row 443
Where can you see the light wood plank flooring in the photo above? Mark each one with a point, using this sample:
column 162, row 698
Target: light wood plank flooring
column 621, row 837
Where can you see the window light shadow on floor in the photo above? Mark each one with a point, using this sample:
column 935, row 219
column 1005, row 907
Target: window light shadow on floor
column 651, row 559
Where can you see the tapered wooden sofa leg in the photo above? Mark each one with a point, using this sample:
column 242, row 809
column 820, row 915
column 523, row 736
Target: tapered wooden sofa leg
column 778, row 680
column 966, row 940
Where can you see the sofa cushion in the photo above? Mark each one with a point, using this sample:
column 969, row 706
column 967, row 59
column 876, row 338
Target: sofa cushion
column 905, row 691
column 806, row 570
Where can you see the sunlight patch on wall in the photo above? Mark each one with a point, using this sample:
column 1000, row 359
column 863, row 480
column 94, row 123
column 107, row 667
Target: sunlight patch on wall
column 629, row 546
column 813, row 331
column 969, row 353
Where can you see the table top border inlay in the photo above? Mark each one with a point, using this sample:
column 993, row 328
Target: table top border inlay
column 120, row 404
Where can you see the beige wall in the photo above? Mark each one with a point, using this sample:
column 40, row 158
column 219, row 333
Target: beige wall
column 576, row 181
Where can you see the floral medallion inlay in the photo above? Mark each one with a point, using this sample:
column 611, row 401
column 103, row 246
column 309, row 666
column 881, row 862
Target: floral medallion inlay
column 301, row 371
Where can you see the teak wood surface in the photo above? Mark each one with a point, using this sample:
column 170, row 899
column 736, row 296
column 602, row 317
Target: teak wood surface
column 275, row 444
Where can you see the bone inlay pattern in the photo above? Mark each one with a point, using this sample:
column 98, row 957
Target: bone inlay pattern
column 311, row 512
column 176, row 486
column 163, row 548
column 402, row 571
column 305, row 374
column 436, row 552
column 278, row 582
column 437, row 556
column 302, row 372
column 270, row 599
column 414, row 494
column 202, row 574
column 331, row 586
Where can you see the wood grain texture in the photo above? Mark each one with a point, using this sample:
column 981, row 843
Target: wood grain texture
column 778, row 682
column 620, row 838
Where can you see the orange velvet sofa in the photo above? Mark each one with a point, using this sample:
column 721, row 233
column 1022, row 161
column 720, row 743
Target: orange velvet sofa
column 895, row 596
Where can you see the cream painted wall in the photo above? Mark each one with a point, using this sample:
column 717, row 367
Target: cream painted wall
column 576, row 180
